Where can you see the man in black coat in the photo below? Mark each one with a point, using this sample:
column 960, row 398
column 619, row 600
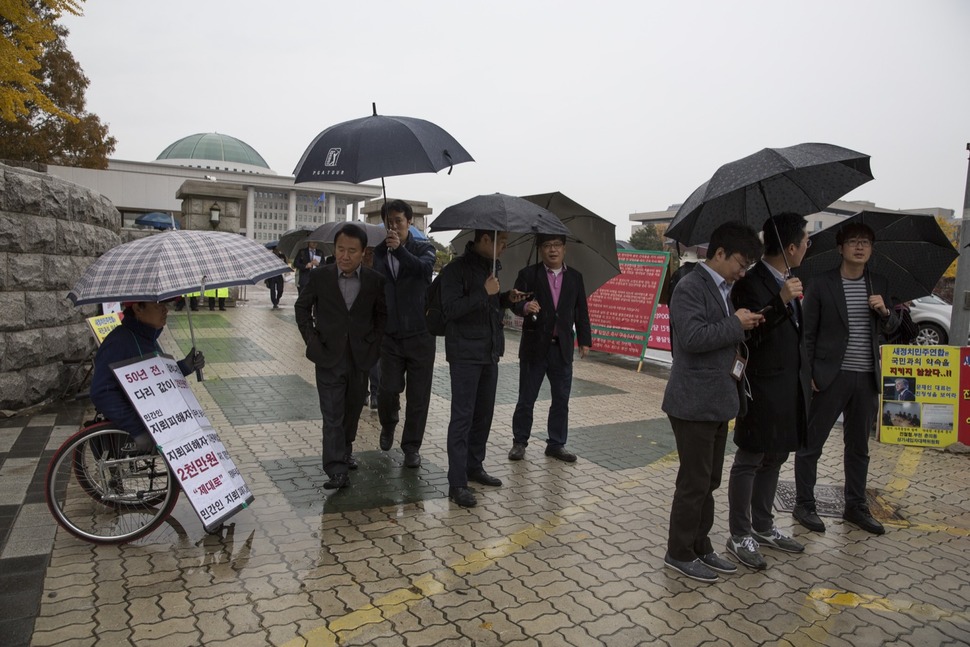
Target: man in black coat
column 474, row 342
column 558, row 303
column 846, row 310
column 408, row 349
column 779, row 391
column 341, row 314
column 306, row 260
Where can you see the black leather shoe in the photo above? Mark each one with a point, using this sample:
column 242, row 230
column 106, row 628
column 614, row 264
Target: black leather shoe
column 560, row 453
column 862, row 518
column 808, row 518
column 351, row 461
column 337, row 481
column 462, row 496
column 373, row 403
column 517, row 452
column 412, row 459
column 387, row 438
column 483, row 477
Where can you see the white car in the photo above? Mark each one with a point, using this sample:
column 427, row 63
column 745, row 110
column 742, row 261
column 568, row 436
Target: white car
column 932, row 316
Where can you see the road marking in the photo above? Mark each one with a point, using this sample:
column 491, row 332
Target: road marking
column 837, row 600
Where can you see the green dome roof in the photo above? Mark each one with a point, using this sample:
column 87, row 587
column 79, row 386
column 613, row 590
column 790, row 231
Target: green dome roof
column 215, row 148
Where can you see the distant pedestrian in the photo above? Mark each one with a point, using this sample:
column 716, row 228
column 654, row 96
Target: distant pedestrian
column 306, row 260
column 275, row 283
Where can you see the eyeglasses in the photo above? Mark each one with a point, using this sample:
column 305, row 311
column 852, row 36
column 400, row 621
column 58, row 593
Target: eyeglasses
column 858, row 242
column 741, row 264
column 552, row 245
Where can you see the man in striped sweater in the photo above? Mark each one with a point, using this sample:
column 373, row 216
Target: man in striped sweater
column 846, row 311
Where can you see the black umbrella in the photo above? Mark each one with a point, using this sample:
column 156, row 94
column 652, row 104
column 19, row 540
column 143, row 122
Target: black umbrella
column 801, row 179
column 592, row 241
column 500, row 212
column 377, row 147
column 158, row 220
column 293, row 240
column 910, row 250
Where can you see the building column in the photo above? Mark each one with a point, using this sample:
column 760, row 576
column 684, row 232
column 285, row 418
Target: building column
column 291, row 211
column 331, row 208
column 356, row 211
column 250, row 228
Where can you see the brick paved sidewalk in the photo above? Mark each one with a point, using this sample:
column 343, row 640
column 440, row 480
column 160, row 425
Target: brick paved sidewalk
column 560, row 555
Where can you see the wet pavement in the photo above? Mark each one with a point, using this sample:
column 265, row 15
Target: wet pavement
column 561, row 554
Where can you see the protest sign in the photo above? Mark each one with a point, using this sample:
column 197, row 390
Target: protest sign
column 921, row 397
column 185, row 438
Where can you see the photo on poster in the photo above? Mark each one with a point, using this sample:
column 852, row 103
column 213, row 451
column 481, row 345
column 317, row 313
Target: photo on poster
column 901, row 389
column 902, row 414
column 938, row 416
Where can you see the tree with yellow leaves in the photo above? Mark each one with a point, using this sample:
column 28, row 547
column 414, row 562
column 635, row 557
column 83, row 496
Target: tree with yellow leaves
column 27, row 29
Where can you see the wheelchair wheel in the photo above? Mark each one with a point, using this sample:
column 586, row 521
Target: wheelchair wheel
column 100, row 489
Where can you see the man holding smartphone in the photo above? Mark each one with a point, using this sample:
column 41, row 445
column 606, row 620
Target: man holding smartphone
column 778, row 395
column 556, row 305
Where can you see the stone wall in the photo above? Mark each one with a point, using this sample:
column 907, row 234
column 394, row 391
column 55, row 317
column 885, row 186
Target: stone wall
column 50, row 231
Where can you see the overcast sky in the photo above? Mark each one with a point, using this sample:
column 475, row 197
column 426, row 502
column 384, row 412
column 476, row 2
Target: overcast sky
column 622, row 106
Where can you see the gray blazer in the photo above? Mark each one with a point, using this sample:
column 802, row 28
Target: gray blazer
column 704, row 342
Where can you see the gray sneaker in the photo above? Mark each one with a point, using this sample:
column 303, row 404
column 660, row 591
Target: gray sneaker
column 695, row 570
column 718, row 563
column 745, row 548
column 775, row 539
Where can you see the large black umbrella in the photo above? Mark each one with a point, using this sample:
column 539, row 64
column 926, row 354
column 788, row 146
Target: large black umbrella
column 591, row 241
column 293, row 240
column 499, row 212
column 379, row 146
column 801, row 179
column 910, row 250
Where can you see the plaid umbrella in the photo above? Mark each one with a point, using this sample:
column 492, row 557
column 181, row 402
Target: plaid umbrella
column 169, row 264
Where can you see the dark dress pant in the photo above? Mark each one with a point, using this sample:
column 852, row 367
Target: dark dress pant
column 275, row 289
column 472, row 404
column 342, row 390
column 700, row 445
column 852, row 394
column 407, row 366
column 531, row 374
column 751, row 490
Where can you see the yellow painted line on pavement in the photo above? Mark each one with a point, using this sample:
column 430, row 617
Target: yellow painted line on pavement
column 905, row 468
column 839, row 600
column 354, row 623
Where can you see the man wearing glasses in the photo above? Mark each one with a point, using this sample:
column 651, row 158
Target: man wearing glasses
column 557, row 304
column 846, row 310
column 703, row 392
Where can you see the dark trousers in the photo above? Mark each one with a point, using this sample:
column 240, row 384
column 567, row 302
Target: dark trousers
column 700, row 445
column 407, row 363
column 854, row 395
column 751, row 490
column 374, row 379
column 531, row 374
column 342, row 390
column 472, row 404
column 275, row 289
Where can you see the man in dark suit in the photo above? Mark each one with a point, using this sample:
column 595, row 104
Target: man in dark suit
column 472, row 302
column 341, row 314
column 306, row 260
column 780, row 390
column 546, row 347
column 902, row 391
column 846, row 311
column 408, row 350
column 702, row 393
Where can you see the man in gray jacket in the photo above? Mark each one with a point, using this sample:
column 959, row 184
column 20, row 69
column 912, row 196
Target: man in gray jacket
column 702, row 394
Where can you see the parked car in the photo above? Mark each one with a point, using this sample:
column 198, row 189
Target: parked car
column 932, row 316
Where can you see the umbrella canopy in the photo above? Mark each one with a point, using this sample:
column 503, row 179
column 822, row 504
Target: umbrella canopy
column 801, row 179
column 157, row 219
column 271, row 244
column 326, row 232
column 292, row 240
column 910, row 250
column 500, row 212
column 376, row 147
column 169, row 264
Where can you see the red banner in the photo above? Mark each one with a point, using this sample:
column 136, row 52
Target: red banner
column 622, row 310
column 660, row 330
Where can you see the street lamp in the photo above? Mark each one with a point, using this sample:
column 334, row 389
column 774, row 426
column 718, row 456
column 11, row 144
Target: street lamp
column 214, row 213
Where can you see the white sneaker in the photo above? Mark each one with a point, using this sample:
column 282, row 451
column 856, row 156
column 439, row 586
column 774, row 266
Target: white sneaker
column 745, row 548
